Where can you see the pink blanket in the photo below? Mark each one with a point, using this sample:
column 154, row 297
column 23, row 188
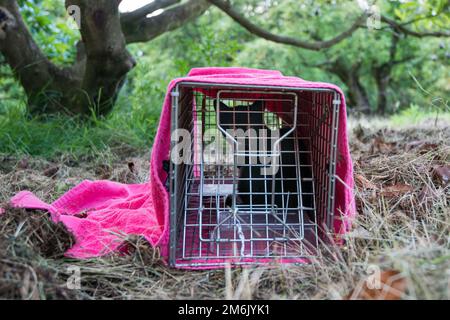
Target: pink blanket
column 113, row 210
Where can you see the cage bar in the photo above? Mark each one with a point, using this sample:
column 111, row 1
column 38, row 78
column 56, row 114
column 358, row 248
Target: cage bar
column 255, row 182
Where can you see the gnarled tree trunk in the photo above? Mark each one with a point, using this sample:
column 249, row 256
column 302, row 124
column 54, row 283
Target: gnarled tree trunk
column 357, row 93
column 94, row 80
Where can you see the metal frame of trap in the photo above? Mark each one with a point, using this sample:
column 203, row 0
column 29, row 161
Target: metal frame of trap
column 205, row 233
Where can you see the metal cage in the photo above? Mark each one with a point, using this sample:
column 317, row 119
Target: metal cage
column 252, row 173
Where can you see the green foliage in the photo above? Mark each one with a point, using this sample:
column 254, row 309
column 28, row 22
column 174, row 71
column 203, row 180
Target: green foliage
column 49, row 24
column 425, row 58
column 426, row 14
column 417, row 85
column 207, row 42
column 10, row 90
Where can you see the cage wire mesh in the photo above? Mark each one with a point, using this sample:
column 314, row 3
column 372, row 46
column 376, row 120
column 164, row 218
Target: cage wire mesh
column 252, row 173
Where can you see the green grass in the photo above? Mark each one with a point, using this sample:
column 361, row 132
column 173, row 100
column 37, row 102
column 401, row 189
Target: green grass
column 131, row 127
column 416, row 115
column 127, row 128
column 60, row 135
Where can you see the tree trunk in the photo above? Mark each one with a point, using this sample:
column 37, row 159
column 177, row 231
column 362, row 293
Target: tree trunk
column 107, row 61
column 92, row 83
column 382, row 80
column 40, row 79
column 357, row 94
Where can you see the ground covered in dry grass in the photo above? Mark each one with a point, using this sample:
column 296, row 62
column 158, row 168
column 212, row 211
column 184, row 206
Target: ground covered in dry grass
column 402, row 232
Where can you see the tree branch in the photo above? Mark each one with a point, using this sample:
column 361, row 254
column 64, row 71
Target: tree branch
column 27, row 61
column 393, row 53
column 401, row 28
column 16, row 42
column 147, row 9
column 226, row 7
column 149, row 28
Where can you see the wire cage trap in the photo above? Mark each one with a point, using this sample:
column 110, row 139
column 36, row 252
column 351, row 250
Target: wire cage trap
column 252, row 174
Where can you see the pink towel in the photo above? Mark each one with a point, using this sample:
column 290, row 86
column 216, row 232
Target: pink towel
column 113, row 210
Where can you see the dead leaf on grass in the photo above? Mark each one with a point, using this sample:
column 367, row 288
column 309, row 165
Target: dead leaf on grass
column 422, row 146
column 442, row 173
column 396, row 190
column 364, row 182
column 391, row 285
column 381, row 146
column 51, row 172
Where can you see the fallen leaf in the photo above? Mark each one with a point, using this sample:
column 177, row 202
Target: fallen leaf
column 442, row 173
column 421, row 145
column 396, row 190
column 364, row 182
column 51, row 172
column 379, row 145
column 390, row 285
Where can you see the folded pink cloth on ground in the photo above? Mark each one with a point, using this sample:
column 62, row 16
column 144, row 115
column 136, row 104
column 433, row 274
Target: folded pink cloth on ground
column 101, row 213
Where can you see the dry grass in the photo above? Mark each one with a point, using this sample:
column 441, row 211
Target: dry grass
column 403, row 225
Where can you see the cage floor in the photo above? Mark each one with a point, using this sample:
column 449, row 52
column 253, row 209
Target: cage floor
column 211, row 234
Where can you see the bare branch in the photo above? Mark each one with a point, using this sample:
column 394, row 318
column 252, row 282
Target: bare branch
column 401, row 28
column 226, row 7
column 147, row 9
column 149, row 28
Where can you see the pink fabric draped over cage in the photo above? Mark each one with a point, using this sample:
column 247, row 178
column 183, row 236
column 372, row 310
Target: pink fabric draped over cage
column 111, row 210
